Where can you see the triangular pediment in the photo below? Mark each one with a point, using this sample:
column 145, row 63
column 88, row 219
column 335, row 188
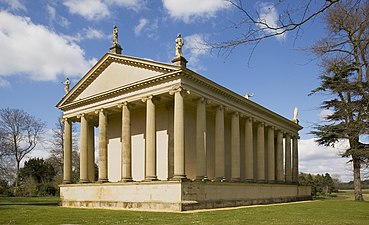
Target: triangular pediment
column 113, row 72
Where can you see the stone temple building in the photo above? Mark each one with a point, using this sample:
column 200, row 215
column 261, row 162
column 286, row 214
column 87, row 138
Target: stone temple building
column 170, row 139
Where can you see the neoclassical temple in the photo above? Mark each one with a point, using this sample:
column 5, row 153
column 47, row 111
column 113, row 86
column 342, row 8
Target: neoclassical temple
column 170, row 139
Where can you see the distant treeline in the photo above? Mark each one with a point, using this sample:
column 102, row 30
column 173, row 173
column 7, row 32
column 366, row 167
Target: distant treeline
column 350, row 185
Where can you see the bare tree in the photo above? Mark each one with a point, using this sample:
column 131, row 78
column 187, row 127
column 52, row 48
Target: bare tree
column 20, row 133
column 272, row 19
column 345, row 56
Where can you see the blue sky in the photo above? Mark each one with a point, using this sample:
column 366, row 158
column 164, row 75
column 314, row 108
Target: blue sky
column 43, row 41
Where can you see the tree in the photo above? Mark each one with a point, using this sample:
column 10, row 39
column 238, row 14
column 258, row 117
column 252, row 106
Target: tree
column 20, row 133
column 38, row 169
column 256, row 26
column 57, row 151
column 345, row 56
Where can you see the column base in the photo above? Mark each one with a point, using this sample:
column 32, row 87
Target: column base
column 151, row 178
column 103, row 181
column 83, row 181
column 249, row 180
column 220, row 179
column 271, row 182
column 126, row 179
column 237, row 179
column 181, row 178
column 67, row 181
column 261, row 181
column 280, row 182
column 202, row 178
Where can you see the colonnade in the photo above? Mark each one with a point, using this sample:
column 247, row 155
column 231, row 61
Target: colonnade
column 268, row 147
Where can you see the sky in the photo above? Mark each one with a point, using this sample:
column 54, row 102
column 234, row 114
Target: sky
column 44, row 41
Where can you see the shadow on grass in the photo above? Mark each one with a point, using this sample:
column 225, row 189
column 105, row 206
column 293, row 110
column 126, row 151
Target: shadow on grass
column 32, row 203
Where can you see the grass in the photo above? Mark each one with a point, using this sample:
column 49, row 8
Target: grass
column 331, row 210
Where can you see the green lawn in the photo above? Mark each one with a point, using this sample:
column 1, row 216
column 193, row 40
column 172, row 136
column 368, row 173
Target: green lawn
column 338, row 211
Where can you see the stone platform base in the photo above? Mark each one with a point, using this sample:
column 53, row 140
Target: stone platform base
column 178, row 196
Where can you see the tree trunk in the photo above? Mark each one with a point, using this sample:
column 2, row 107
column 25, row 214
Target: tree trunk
column 17, row 179
column 357, row 180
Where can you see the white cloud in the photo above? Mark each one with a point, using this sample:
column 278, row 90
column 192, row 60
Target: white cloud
column 4, row 83
column 99, row 9
column 195, row 47
column 91, row 33
column 268, row 14
column 51, row 11
column 32, row 50
column 131, row 4
column 15, row 4
column 141, row 24
column 89, row 9
column 316, row 159
column 324, row 113
column 192, row 9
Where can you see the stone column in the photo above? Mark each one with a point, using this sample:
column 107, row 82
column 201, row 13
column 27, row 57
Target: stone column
column 67, row 151
column 235, row 148
column 103, row 146
column 150, row 168
column 126, row 158
column 249, row 151
column 179, row 134
column 295, row 160
column 271, row 155
column 91, row 153
column 201, row 140
column 219, row 144
column 279, row 157
column 83, row 178
column 288, row 158
column 260, row 153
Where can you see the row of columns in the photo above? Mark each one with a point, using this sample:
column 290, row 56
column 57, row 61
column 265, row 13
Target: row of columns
column 273, row 151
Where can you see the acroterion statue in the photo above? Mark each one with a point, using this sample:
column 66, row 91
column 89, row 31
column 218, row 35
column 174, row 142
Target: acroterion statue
column 295, row 115
column 179, row 45
column 115, row 48
column 115, row 35
column 66, row 85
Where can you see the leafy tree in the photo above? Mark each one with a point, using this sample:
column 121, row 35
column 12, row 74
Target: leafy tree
column 345, row 77
column 38, row 169
column 20, row 133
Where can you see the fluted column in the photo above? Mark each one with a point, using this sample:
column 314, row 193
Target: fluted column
column 150, row 168
column 83, row 178
column 201, row 139
column 249, row 150
column 219, row 144
column 126, row 158
column 271, row 155
column 235, row 148
column 288, row 158
column 103, row 146
column 179, row 134
column 67, row 151
column 260, row 153
column 91, row 153
column 295, row 160
column 279, row 157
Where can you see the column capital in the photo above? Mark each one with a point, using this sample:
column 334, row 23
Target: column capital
column 179, row 89
column 153, row 98
column 220, row 108
column 235, row 114
column 128, row 104
column 81, row 115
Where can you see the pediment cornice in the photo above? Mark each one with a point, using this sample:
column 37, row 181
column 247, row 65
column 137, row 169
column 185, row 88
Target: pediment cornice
column 103, row 63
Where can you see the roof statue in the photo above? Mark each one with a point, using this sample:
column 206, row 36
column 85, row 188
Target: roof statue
column 179, row 60
column 295, row 115
column 115, row 48
column 248, row 95
column 66, row 85
column 179, row 45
